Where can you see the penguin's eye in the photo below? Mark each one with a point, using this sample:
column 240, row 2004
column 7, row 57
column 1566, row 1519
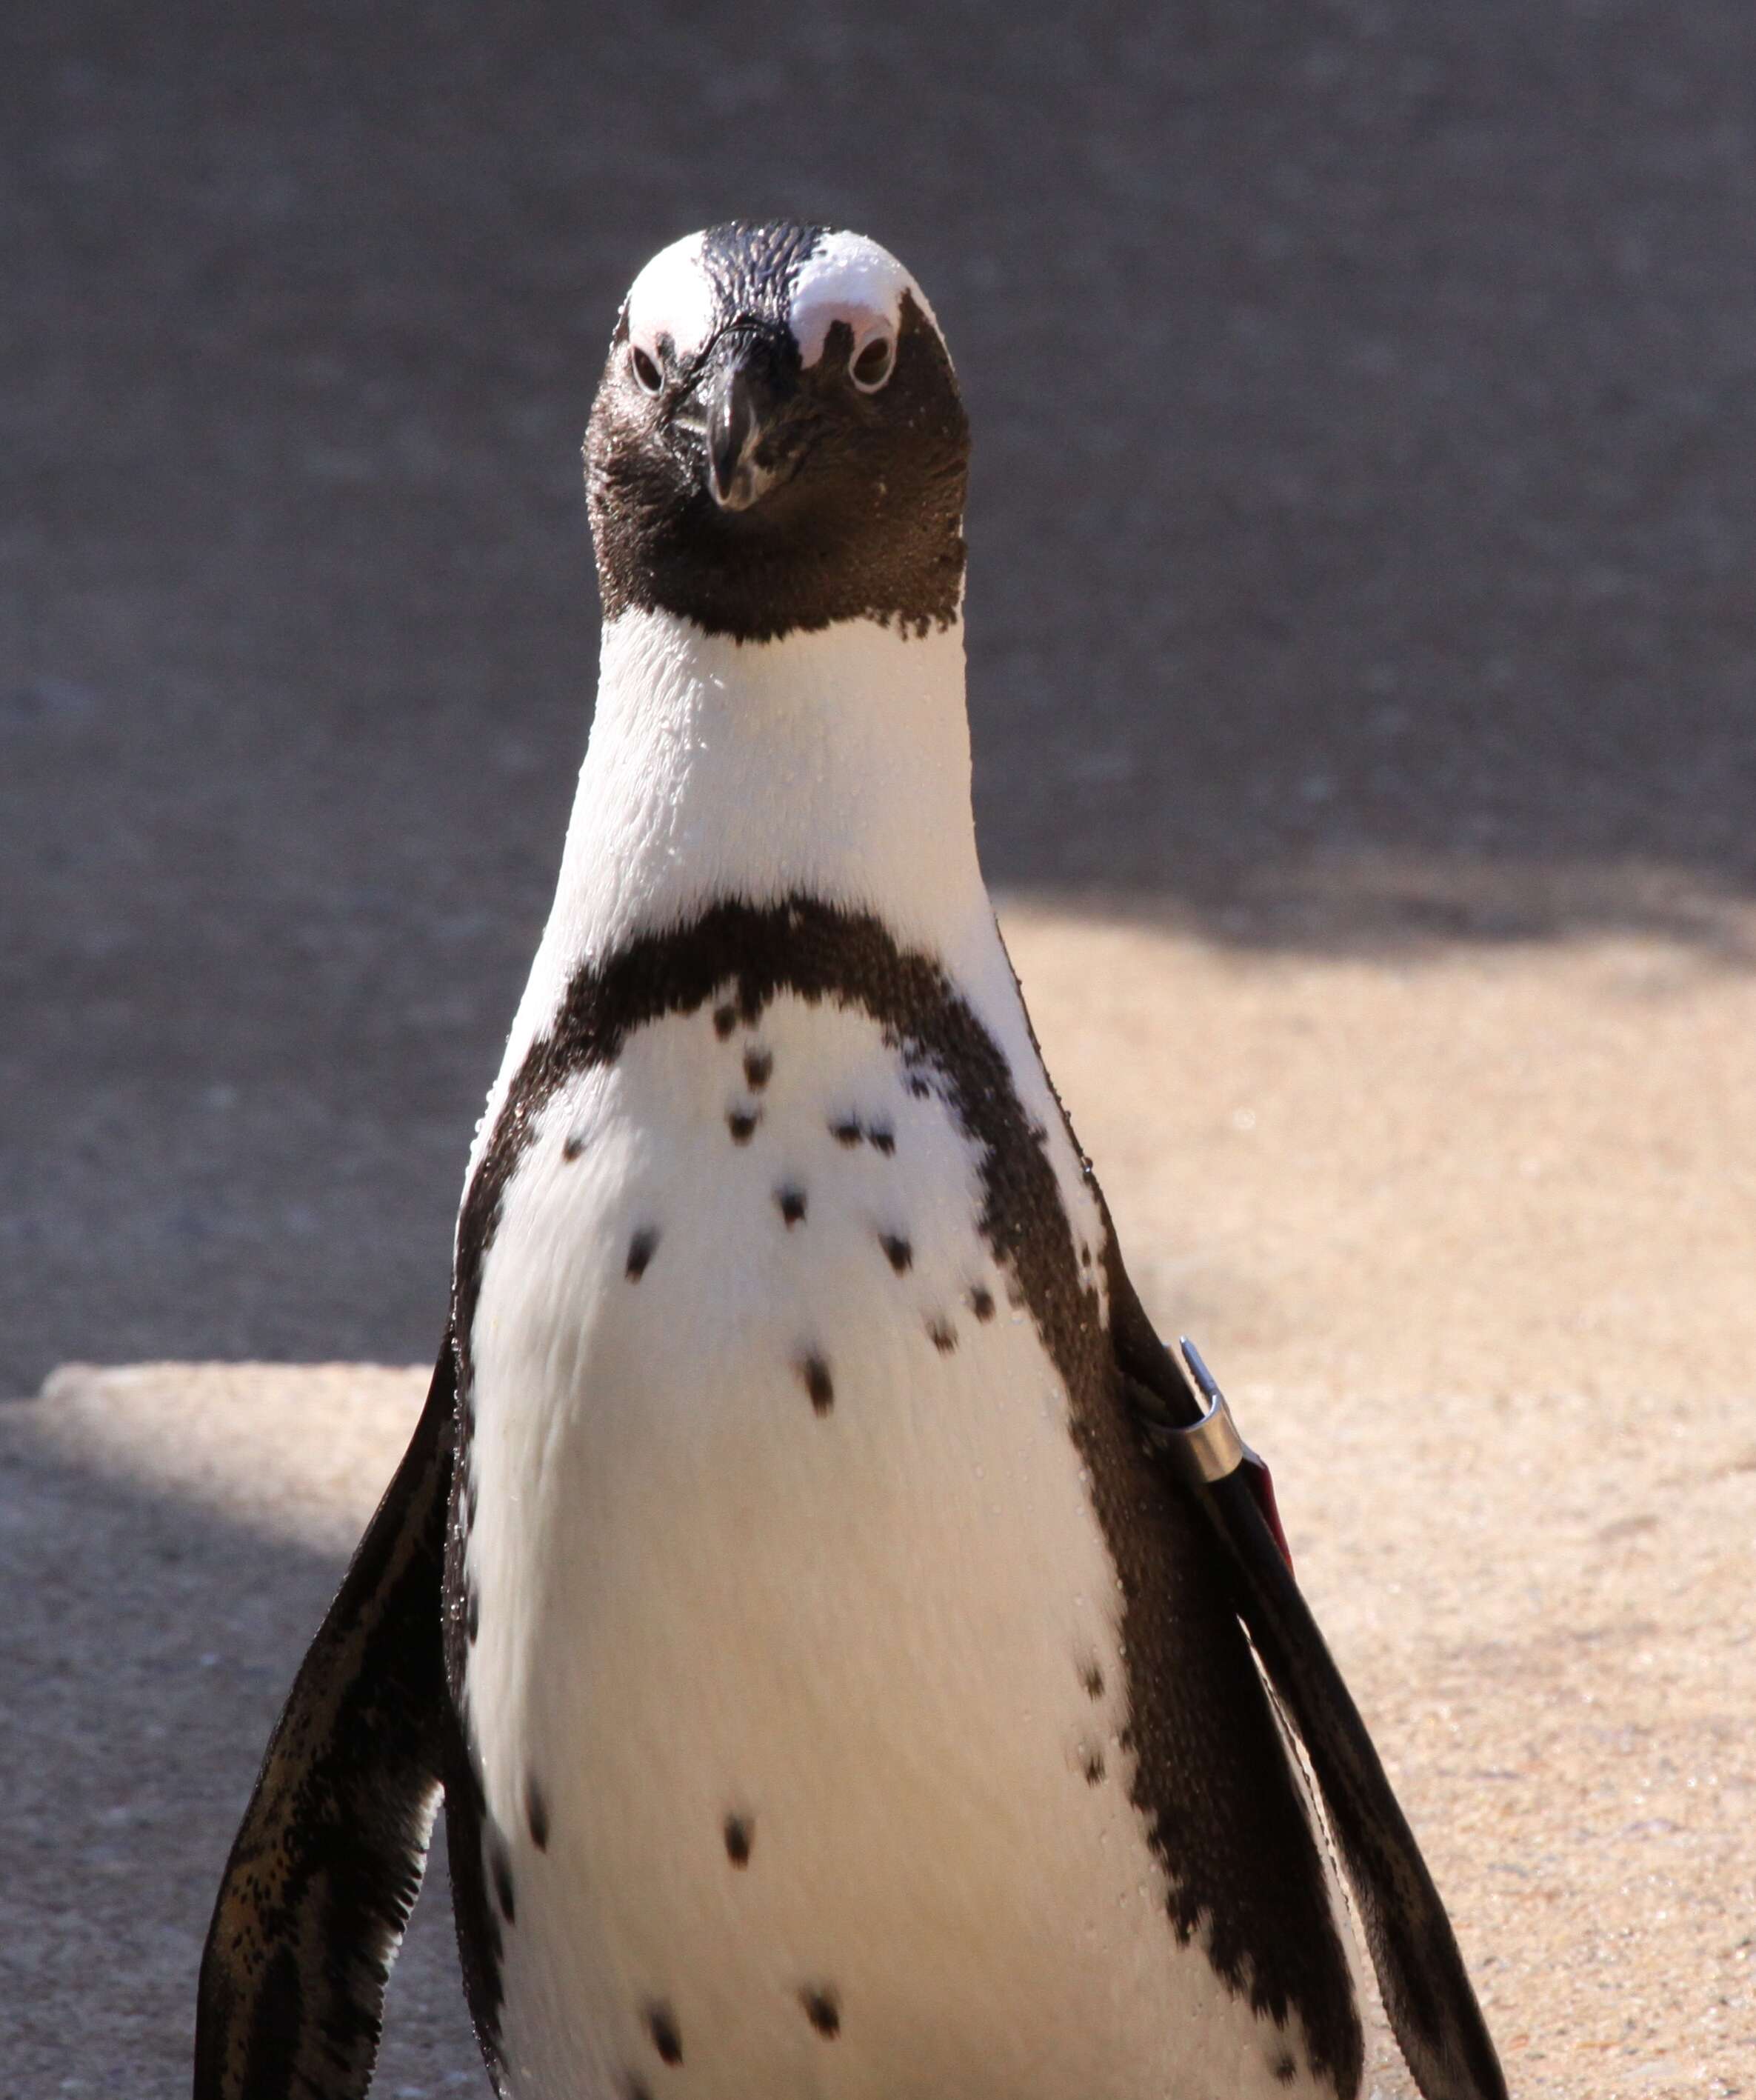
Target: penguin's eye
column 648, row 376
column 874, row 363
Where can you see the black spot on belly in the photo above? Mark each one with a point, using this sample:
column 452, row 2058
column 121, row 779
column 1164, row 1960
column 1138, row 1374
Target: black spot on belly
column 640, row 1250
column 1285, row 2070
column 943, row 1335
column 792, row 1203
column 574, row 1145
column 884, row 1140
column 981, row 1303
column 847, row 1132
column 758, row 1065
column 472, row 1616
column 636, row 2089
column 661, row 2024
column 724, row 1020
column 536, row 1813
column 822, row 2009
column 1092, row 1678
column 817, row 1383
column 1092, row 1766
column 918, row 1086
column 897, row 1251
column 500, row 1867
column 741, row 1123
column 740, row 1834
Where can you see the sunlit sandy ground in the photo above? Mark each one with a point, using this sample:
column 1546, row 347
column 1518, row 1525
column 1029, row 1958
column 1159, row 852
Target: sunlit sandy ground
column 1469, row 1236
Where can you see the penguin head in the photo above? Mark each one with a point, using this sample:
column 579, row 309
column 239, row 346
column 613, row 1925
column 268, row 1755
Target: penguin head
column 778, row 441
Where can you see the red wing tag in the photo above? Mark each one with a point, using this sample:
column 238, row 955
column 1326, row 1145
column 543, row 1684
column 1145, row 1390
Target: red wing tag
column 1262, row 1488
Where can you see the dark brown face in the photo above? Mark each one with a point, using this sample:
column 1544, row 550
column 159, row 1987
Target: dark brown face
column 778, row 442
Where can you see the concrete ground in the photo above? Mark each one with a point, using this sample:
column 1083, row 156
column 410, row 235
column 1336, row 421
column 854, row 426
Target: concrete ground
column 1362, row 660
column 1364, row 407
column 1469, row 1240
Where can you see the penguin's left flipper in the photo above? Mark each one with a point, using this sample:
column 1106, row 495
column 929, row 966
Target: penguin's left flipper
column 1426, row 1987
column 328, row 1861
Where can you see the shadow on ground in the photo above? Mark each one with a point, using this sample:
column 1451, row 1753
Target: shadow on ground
column 156, row 1643
column 1366, row 420
column 1551, row 1652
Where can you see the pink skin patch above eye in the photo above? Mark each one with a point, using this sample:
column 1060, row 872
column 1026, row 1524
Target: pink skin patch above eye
column 674, row 295
column 845, row 278
column 849, row 278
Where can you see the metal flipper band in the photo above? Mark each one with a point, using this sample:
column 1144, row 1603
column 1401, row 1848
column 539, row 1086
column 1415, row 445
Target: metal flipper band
column 1210, row 1448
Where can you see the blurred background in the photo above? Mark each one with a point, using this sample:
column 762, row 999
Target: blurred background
column 1363, row 635
column 1365, row 398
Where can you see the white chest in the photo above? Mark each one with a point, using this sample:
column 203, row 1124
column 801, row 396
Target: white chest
column 797, row 1641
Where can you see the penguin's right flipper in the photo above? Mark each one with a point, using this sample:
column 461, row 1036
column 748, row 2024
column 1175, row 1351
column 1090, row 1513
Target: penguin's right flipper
column 328, row 1861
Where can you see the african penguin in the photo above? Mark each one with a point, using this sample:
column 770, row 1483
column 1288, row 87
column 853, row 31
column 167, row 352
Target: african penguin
column 829, row 1693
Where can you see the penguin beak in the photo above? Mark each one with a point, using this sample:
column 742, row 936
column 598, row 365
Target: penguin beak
column 742, row 396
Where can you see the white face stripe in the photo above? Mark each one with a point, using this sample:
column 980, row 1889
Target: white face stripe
column 674, row 295
column 845, row 278
column 849, row 278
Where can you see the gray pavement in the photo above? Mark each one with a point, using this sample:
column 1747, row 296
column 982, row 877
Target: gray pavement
column 153, row 1628
column 1366, row 405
